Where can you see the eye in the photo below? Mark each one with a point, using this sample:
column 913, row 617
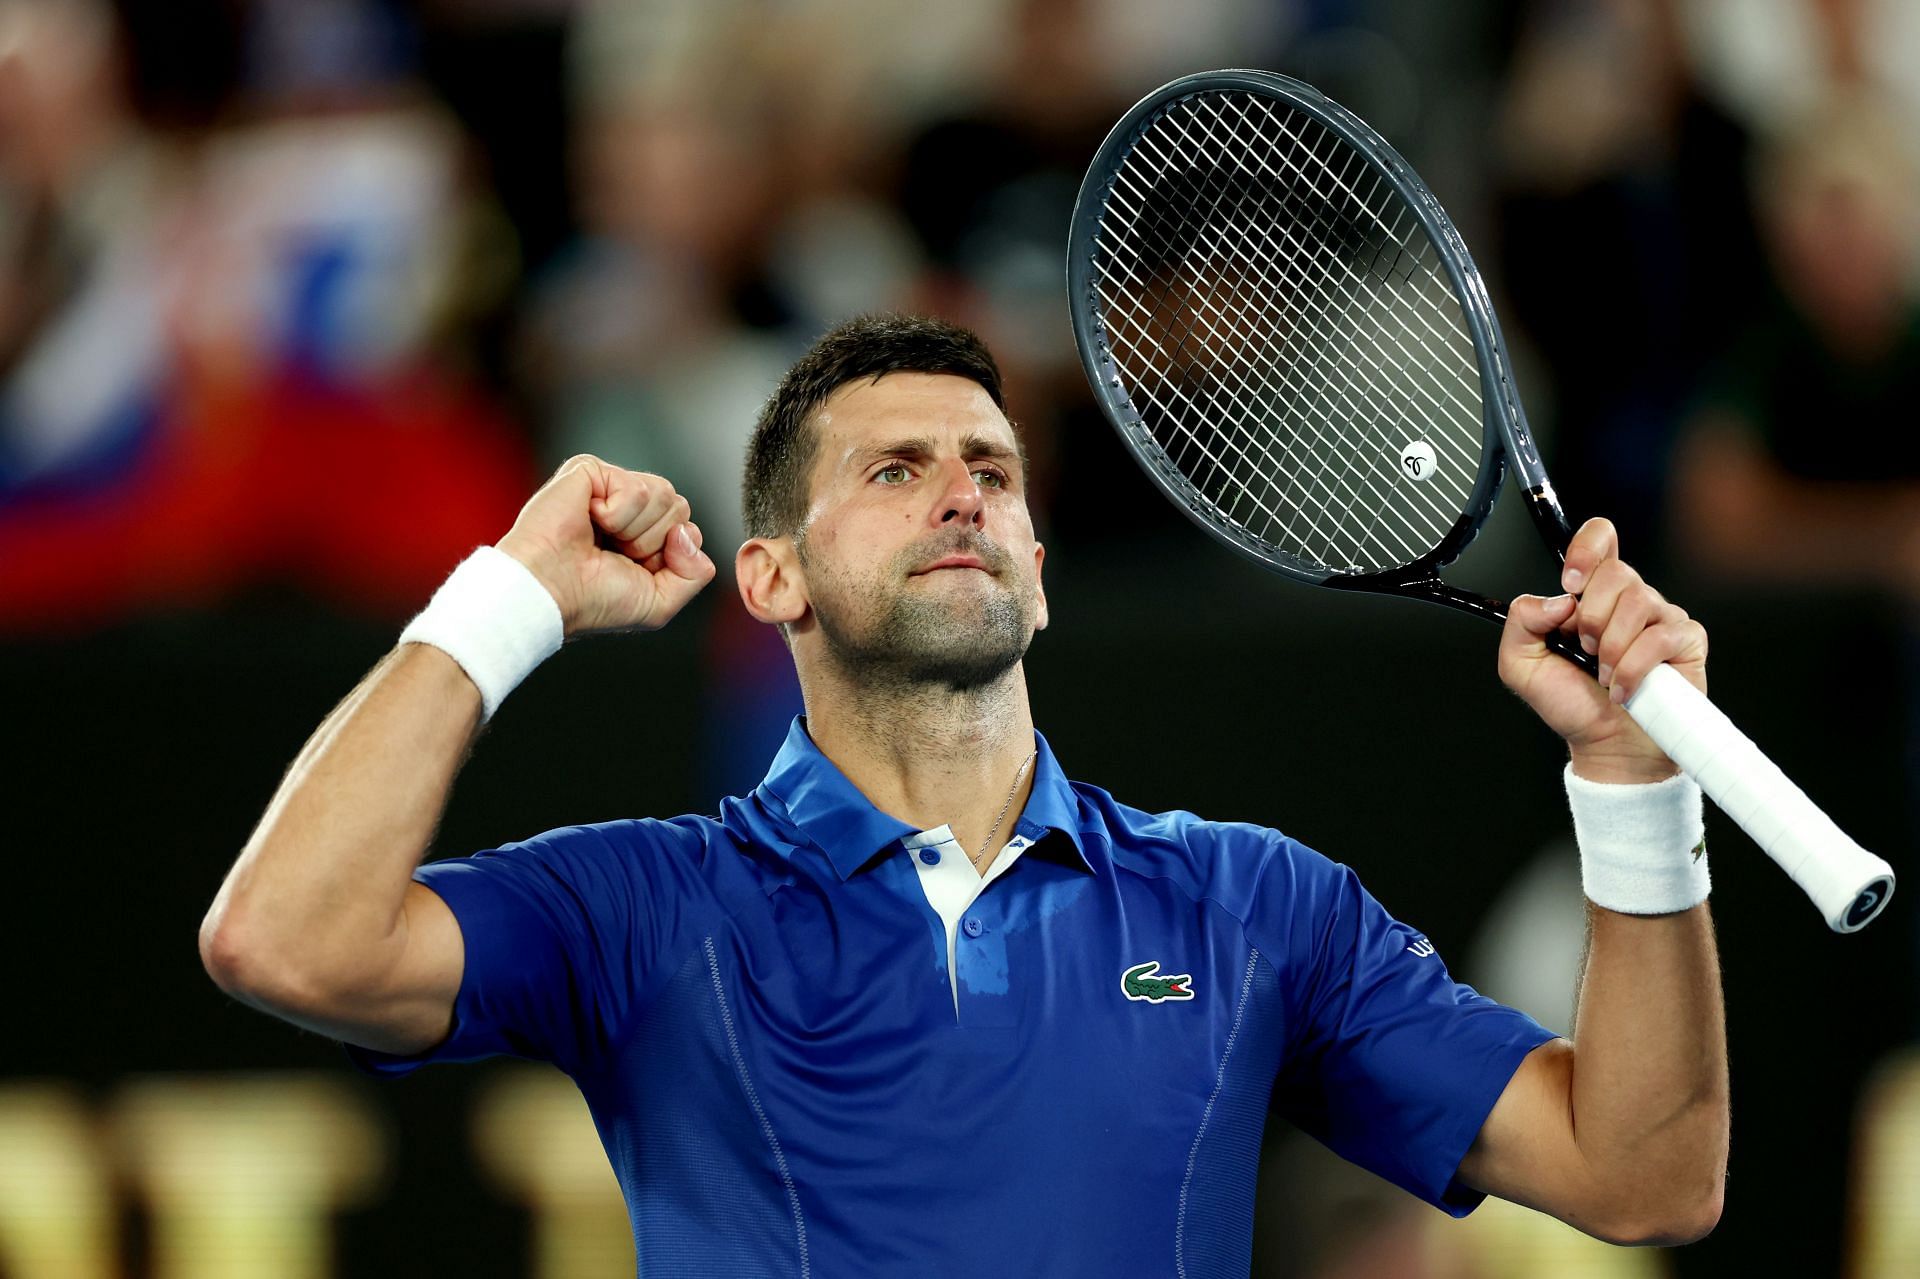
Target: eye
column 893, row 473
column 990, row 478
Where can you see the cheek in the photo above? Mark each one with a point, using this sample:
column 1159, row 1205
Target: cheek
column 850, row 549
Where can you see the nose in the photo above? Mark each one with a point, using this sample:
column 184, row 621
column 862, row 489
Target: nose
column 961, row 501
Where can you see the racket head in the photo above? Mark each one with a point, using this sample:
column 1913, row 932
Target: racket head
column 1180, row 315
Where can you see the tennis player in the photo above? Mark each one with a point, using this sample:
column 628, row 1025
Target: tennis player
column 920, row 1004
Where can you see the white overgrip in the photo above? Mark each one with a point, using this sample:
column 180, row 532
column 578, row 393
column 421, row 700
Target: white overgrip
column 1750, row 788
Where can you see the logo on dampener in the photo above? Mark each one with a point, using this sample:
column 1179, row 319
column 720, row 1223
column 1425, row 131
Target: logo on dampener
column 1417, row 461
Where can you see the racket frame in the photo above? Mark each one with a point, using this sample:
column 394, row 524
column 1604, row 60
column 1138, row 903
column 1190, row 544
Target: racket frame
column 1505, row 435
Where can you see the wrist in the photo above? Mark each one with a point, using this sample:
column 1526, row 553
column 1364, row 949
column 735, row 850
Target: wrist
column 1642, row 845
column 538, row 561
column 495, row 618
column 1620, row 767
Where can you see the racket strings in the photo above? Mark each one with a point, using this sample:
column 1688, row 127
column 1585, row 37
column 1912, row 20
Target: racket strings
column 1207, row 313
column 1351, row 294
column 1394, row 237
column 1273, row 372
column 1347, row 446
column 1283, row 327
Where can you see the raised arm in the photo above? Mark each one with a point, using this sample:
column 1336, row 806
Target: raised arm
column 320, row 922
column 1622, row 1132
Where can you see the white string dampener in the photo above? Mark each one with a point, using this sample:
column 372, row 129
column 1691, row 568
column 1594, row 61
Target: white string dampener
column 1848, row 884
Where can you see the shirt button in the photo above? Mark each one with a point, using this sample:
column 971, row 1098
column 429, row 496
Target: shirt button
column 973, row 926
column 931, row 856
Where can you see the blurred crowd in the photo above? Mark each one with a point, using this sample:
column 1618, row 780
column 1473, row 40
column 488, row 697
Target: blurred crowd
column 309, row 291
column 304, row 296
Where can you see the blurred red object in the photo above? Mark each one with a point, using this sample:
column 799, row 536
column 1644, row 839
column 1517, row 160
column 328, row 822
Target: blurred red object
column 364, row 496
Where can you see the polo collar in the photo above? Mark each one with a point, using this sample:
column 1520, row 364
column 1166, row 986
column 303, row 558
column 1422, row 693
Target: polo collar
column 838, row 819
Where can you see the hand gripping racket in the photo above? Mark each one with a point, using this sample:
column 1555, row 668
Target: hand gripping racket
column 1285, row 328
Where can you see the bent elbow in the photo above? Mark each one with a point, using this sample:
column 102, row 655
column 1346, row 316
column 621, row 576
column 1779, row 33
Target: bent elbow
column 1671, row 1225
column 221, row 955
column 1699, row 1222
column 247, row 970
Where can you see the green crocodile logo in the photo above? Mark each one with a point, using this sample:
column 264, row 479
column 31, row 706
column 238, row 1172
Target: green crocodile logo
column 1139, row 982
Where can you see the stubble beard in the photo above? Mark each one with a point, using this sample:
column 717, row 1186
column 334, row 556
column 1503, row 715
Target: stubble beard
column 919, row 639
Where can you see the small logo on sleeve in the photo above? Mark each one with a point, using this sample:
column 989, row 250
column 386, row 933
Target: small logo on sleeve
column 1421, row 947
column 1139, row 982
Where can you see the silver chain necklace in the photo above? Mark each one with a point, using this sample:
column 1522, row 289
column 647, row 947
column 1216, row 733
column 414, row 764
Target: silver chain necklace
column 987, row 845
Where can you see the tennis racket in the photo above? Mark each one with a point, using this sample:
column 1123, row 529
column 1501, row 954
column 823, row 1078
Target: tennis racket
column 1287, row 332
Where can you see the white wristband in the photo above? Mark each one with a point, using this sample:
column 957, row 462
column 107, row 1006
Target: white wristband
column 494, row 618
column 1642, row 847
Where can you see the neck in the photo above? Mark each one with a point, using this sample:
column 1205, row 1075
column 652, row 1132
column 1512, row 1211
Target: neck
column 930, row 755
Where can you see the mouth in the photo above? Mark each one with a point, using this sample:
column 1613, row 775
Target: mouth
column 953, row 561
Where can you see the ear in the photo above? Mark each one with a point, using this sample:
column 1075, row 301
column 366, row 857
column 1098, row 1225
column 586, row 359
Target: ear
column 1039, row 591
column 771, row 584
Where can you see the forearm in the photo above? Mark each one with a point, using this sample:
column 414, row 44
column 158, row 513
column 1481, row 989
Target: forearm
column 1649, row 1069
column 320, row 884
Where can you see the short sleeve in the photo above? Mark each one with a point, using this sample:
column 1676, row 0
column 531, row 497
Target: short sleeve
column 1390, row 1062
column 561, row 934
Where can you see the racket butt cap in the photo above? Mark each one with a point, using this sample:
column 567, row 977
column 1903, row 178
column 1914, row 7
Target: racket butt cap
column 1865, row 906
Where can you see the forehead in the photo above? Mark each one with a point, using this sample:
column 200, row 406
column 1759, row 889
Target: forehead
column 942, row 407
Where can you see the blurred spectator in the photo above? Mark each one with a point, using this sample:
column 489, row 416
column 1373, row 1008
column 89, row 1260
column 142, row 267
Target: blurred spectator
column 1796, row 468
column 1774, row 62
column 636, row 345
column 1629, row 252
column 73, row 291
column 227, row 351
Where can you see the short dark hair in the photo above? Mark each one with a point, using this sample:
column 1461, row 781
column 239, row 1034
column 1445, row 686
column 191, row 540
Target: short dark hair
column 774, row 492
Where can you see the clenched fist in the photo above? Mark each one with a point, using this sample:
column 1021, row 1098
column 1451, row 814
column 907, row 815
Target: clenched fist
column 615, row 548
column 1629, row 628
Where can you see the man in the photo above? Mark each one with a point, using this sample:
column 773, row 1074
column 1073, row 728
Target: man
column 918, row 1004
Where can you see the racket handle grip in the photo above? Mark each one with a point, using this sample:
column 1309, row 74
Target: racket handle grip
column 1848, row 884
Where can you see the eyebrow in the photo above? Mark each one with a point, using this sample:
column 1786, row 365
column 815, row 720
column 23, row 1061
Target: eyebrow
column 973, row 447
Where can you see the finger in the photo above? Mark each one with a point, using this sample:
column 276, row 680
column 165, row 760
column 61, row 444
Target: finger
column 658, row 560
column 683, row 555
column 568, row 488
column 1637, row 607
column 1536, row 616
column 1610, row 580
column 580, row 464
column 1681, row 643
column 651, row 540
column 631, row 503
column 1523, row 646
column 1592, row 546
column 687, row 571
column 582, row 478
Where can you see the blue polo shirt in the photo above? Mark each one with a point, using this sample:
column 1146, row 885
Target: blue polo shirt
column 758, row 1010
